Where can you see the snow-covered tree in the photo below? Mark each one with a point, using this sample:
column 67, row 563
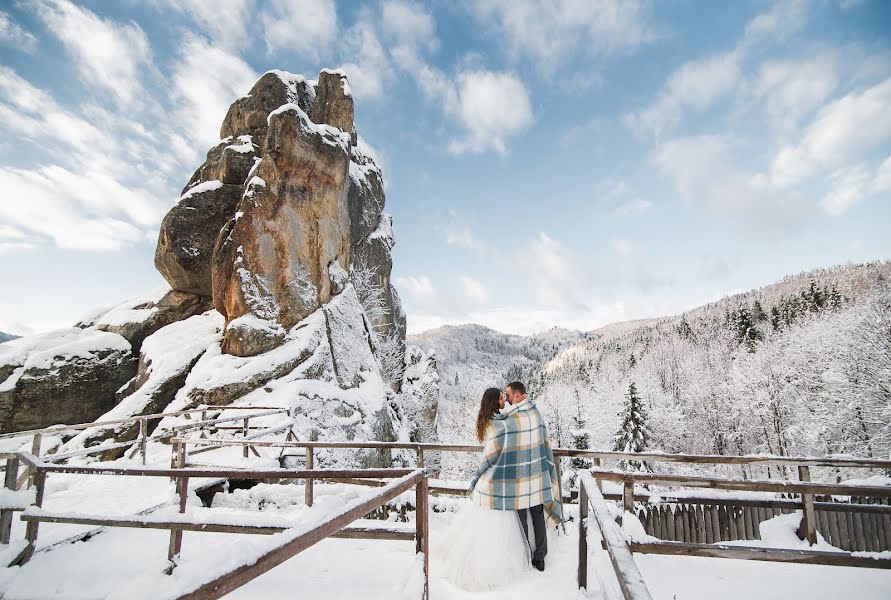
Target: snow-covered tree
column 634, row 433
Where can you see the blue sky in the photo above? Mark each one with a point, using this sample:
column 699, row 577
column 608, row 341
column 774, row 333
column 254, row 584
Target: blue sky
column 569, row 163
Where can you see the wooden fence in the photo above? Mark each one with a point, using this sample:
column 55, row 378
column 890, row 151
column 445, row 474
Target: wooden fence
column 334, row 525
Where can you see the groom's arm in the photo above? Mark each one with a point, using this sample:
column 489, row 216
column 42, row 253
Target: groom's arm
column 491, row 451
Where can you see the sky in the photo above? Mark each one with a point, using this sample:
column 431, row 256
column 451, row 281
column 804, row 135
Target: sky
column 569, row 163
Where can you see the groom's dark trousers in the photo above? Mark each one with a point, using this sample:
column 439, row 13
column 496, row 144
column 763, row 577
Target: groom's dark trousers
column 541, row 537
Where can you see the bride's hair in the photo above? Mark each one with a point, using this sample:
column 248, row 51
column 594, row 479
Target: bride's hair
column 489, row 405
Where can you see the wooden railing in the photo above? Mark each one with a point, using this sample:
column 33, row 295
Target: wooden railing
column 142, row 437
column 627, row 575
column 334, row 525
column 619, row 550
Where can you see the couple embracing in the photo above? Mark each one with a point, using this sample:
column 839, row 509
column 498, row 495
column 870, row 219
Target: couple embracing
column 489, row 542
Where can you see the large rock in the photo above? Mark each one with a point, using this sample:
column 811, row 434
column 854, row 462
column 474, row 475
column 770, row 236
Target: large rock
column 247, row 115
column 141, row 317
column 67, row 376
column 189, row 233
column 273, row 261
column 167, row 357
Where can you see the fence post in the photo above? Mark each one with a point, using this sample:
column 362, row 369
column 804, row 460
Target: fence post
column 309, row 481
column 627, row 498
column 35, row 450
column 420, row 458
column 31, row 528
column 143, row 438
column 12, row 471
column 182, row 490
column 245, row 430
column 203, row 418
column 598, row 462
column 808, row 528
column 583, row 536
column 422, row 531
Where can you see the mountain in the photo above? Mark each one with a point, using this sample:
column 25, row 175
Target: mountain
column 5, row 337
column 801, row 366
column 277, row 260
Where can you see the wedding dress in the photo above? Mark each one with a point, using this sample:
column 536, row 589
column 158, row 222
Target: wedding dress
column 482, row 549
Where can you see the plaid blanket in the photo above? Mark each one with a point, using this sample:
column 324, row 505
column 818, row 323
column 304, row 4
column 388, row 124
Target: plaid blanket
column 517, row 469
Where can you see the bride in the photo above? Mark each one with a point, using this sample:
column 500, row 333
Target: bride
column 483, row 548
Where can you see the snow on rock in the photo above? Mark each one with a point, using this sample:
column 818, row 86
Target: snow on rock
column 165, row 361
column 205, row 186
column 64, row 376
column 419, row 394
column 349, row 340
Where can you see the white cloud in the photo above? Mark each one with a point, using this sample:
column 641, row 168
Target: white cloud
column 225, row 21
column 792, row 89
column 307, row 27
column 849, row 186
column 782, row 19
column 419, row 289
column 475, row 290
column 633, row 208
column 408, row 24
column 551, row 272
column 622, row 246
column 547, row 33
column 491, row 107
column 841, row 132
column 12, row 34
column 206, row 79
column 695, row 85
column 706, row 171
column 882, row 180
column 37, row 202
column 368, row 67
column 109, row 55
column 460, row 235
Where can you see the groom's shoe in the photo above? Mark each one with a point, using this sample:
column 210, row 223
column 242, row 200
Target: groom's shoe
column 538, row 564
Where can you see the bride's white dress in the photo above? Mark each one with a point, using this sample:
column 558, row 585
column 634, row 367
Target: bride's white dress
column 482, row 549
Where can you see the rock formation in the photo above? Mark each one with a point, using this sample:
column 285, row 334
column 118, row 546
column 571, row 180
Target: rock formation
column 282, row 231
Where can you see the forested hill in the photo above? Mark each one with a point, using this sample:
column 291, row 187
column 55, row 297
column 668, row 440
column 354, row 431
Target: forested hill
column 802, row 366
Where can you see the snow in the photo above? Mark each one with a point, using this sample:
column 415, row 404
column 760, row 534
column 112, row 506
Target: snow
column 166, row 353
column 55, row 348
column 17, row 499
column 245, row 145
column 384, row 231
column 204, row 186
column 135, row 310
column 330, row 135
column 293, row 82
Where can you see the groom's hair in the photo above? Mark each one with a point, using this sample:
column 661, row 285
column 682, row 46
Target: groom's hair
column 517, row 387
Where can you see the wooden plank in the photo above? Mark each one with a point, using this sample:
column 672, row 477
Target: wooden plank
column 582, row 576
column 31, row 529
column 847, row 525
column 350, row 532
column 628, row 496
column 700, row 525
column 707, row 518
column 823, row 526
column 229, row 473
column 747, row 522
column 808, row 528
column 843, row 559
column 679, row 523
column 731, row 524
column 716, row 523
column 832, row 519
column 669, row 523
column 238, row 577
column 9, row 482
column 859, row 538
column 886, row 524
column 744, row 485
column 308, row 489
column 630, row 580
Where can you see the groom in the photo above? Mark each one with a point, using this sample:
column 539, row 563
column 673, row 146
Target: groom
column 521, row 468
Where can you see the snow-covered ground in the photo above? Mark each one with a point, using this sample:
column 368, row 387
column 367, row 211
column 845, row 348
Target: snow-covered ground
column 129, row 563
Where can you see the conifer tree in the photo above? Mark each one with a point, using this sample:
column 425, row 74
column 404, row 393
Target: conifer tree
column 634, row 432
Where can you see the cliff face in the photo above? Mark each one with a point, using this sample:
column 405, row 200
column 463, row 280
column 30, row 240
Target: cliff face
column 281, row 230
